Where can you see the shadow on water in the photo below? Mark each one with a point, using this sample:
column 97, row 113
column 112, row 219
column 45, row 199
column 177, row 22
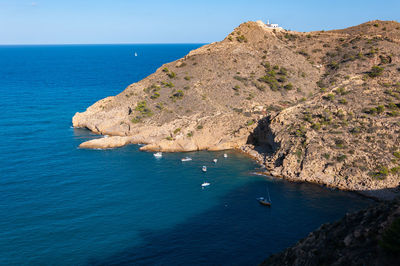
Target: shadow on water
column 239, row 231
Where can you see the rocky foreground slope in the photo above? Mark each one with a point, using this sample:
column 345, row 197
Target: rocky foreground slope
column 320, row 107
column 368, row 237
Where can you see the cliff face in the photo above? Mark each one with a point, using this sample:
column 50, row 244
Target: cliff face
column 320, row 107
column 368, row 237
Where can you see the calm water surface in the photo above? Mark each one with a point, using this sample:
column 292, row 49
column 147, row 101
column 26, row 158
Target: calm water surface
column 60, row 205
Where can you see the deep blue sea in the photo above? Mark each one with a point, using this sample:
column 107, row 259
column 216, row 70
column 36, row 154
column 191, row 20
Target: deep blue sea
column 60, row 205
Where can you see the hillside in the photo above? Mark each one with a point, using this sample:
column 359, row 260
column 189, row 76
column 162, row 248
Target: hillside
column 368, row 237
column 320, row 107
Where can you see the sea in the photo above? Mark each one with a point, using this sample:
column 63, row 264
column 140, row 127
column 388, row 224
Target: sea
column 61, row 205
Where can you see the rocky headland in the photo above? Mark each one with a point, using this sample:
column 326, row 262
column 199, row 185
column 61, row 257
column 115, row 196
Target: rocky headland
column 367, row 237
column 319, row 107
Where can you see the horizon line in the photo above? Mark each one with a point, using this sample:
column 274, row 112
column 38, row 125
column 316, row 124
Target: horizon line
column 54, row 44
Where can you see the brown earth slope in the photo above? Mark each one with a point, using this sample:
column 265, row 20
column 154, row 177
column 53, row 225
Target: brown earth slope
column 321, row 107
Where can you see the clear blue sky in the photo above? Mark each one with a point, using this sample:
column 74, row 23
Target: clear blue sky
column 173, row 21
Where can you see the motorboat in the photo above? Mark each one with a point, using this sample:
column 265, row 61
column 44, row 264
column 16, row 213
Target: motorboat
column 158, row 154
column 186, row 159
column 205, row 184
column 204, row 168
column 225, row 155
column 215, row 160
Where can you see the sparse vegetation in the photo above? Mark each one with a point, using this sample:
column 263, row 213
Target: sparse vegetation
column 375, row 71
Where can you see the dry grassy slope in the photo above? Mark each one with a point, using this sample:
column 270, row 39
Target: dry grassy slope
column 347, row 134
column 209, row 98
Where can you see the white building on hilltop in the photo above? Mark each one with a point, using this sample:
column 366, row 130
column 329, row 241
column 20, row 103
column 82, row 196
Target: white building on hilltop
column 273, row 26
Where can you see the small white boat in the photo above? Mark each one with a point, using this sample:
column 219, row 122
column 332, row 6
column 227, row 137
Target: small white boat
column 158, row 154
column 135, row 54
column 215, row 160
column 186, row 159
column 204, row 169
column 205, row 184
column 225, row 155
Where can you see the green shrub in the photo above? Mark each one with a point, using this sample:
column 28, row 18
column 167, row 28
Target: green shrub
column 165, row 69
column 316, row 126
column 380, row 173
column 250, row 122
column 375, row 71
column 141, row 106
column 281, row 79
column 288, row 86
column 329, row 97
column 308, row 118
column 168, row 84
column 177, row 130
column 241, row 38
column 136, row 119
column 326, row 156
column 187, row 77
column 171, row 75
column 342, row 101
column 160, row 106
column 177, row 95
column 341, row 158
column 155, row 95
column 380, row 109
column 396, row 154
column 199, row 127
column 236, row 88
column 341, row 91
column 333, row 66
column 283, row 71
column 189, row 135
column 395, row 170
column 391, row 238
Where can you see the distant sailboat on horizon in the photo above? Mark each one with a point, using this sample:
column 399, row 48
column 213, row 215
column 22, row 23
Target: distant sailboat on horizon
column 135, row 54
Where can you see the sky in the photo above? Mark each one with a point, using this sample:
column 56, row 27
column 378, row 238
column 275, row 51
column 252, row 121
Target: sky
column 173, row 21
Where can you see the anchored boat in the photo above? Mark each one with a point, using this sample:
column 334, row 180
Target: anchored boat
column 158, row 154
column 186, row 159
column 205, row 184
column 265, row 202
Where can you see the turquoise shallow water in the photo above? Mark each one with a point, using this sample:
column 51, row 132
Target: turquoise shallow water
column 61, row 205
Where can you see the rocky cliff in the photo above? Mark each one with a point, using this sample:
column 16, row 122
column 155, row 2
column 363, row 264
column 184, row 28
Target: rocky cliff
column 320, row 107
column 368, row 237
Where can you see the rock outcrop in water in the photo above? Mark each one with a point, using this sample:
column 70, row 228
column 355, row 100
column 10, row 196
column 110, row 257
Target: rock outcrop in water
column 368, row 237
column 320, row 107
